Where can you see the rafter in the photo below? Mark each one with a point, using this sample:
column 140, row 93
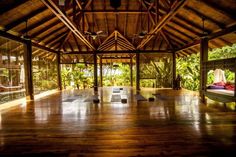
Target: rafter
column 54, row 8
column 214, row 35
column 201, row 15
column 221, row 10
column 12, row 6
column 25, row 18
column 162, row 22
column 166, row 39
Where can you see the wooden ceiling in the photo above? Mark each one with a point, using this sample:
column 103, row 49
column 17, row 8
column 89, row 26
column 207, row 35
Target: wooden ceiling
column 170, row 25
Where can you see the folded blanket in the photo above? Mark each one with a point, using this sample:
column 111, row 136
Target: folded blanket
column 219, row 83
column 229, row 86
column 215, row 87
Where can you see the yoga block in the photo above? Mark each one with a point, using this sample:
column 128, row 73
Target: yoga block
column 124, row 100
column 96, row 101
column 151, row 99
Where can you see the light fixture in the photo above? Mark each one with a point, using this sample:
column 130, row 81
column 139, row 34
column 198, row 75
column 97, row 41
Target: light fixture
column 62, row 2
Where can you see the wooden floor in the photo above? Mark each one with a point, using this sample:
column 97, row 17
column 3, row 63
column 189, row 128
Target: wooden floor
column 69, row 124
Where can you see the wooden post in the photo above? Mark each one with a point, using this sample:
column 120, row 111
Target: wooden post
column 137, row 71
column 95, row 72
column 203, row 72
column 1, row 58
column 131, row 72
column 29, row 90
column 101, row 84
column 235, row 80
column 59, row 72
column 174, row 68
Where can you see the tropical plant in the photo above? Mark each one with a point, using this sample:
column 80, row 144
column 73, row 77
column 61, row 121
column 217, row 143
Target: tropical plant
column 189, row 67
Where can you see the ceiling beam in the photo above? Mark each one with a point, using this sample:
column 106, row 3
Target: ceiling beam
column 201, row 15
column 220, row 9
column 65, row 40
column 163, row 21
column 120, row 51
column 55, row 9
column 125, row 11
column 25, row 18
column 211, row 36
column 7, row 8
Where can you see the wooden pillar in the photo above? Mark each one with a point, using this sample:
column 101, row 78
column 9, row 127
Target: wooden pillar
column 101, row 84
column 29, row 90
column 174, row 68
column 59, row 72
column 95, row 72
column 235, row 80
column 137, row 71
column 203, row 72
column 131, row 72
column 1, row 58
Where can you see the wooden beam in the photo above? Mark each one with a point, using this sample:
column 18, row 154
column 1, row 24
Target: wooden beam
column 122, row 52
column 49, row 34
column 76, row 42
column 65, row 40
column 95, row 73
column 203, row 72
column 137, row 72
column 162, row 22
column 101, row 73
column 44, row 47
column 211, row 36
column 29, row 89
column 55, row 9
column 56, row 38
column 112, row 11
column 25, row 18
column 13, row 5
column 185, row 35
column 167, row 40
column 218, row 8
column 126, row 19
column 201, row 15
column 173, row 69
column 131, row 72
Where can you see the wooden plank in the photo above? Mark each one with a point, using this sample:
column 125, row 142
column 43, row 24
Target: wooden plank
column 54, row 8
column 211, row 36
column 25, row 18
column 123, row 52
column 162, row 22
column 220, row 9
column 209, row 19
column 14, row 5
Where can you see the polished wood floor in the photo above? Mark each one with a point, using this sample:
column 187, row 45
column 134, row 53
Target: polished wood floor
column 68, row 124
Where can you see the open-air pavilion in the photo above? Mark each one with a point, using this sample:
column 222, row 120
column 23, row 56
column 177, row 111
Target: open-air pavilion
column 40, row 117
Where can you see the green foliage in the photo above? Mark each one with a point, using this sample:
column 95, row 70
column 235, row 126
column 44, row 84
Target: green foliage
column 159, row 71
column 44, row 76
column 222, row 53
column 77, row 76
column 118, row 75
column 189, row 67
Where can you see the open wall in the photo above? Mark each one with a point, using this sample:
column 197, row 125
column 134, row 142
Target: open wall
column 11, row 70
column 156, row 70
column 44, row 71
